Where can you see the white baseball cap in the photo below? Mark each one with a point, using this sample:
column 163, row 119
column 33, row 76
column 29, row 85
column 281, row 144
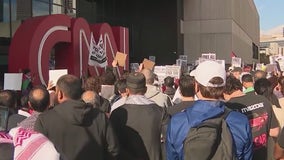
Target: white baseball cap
column 207, row 70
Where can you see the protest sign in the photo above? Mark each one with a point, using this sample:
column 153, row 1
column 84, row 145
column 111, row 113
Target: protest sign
column 121, row 58
column 271, row 67
column 183, row 57
column 208, row 56
column 152, row 58
column 107, row 91
column 148, row 64
column 13, row 81
column 236, row 62
column 173, row 71
column 160, row 71
column 134, row 67
column 54, row 75
column 97, row 53
column 281, row 64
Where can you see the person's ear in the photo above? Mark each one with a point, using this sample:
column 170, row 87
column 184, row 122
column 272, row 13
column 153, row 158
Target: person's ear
column 127, row 91
column 196, row 87
column 60, row 95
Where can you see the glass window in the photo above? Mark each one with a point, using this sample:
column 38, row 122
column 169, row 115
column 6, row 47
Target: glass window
column 40, row 8
column 5, row 14
column 57, row 9
column 4, row 20
column 59, row 2
column 64, row 7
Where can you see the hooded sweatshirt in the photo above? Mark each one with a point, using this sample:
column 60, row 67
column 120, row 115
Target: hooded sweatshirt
column 157, row 96
column 78, row 131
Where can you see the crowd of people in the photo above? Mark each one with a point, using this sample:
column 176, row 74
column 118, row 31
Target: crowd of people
column 208, row 113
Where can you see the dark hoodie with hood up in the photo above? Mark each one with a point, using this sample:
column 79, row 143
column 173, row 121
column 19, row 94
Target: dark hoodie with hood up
column 78, row 131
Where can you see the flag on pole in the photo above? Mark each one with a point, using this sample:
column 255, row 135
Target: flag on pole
column 233, row 54
column 97, row 55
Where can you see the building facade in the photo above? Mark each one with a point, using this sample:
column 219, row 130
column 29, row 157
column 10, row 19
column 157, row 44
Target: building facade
column 165, row 29
column 221, row 27
column 14, row 12
column 272, row 44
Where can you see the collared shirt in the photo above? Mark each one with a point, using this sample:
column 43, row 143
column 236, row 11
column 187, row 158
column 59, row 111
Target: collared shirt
column 249, row 89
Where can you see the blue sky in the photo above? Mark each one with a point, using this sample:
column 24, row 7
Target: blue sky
column 271, row 13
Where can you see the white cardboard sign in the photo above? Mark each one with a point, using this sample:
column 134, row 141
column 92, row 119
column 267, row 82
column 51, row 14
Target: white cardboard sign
column 54, row 75
column 13, row 81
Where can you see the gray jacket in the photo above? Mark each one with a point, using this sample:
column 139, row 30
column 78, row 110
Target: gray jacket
column 157, row 96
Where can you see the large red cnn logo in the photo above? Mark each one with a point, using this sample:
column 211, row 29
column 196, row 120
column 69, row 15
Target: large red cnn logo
column 70, row 38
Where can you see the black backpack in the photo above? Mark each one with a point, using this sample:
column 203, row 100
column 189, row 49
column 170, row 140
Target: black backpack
column 210, row 140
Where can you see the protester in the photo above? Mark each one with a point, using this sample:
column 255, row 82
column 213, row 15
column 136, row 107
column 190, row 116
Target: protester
column 32, row 145
column 138, row 122
column 6, row 146
column 279, row 147
column 237, row 72
column 26, row 82
column 94, row 84
column 153, row 92
column 77, row 130
column 107, row 80
column 248, row 84
column 169, row 84
column 8, row 99
column 280, row 87
column 120, row 89
column 210, row 78
column 24, row 109
column 259, row 74
column 187, row 91
column 264, row 87
column 38, row 102
column 275, row 86
column 90, row 97
column 258, row 110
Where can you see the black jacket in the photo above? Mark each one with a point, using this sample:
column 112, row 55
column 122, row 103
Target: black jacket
column 78, row 131
column 139, row 130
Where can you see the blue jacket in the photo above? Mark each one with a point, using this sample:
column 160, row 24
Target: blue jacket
column 202, row 110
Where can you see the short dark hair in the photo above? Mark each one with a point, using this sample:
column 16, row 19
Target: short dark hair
column 108, row 78
column 169, row 81
column 24, row 101
column 263, row 86
column 247, row 78
column 187, row 86
column 213, row 92
column 39, row 98
column 120, row 86
column 232, row 85
column 70, row 85
column 8, row 98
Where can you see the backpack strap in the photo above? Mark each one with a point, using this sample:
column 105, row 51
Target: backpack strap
column 227, row 111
